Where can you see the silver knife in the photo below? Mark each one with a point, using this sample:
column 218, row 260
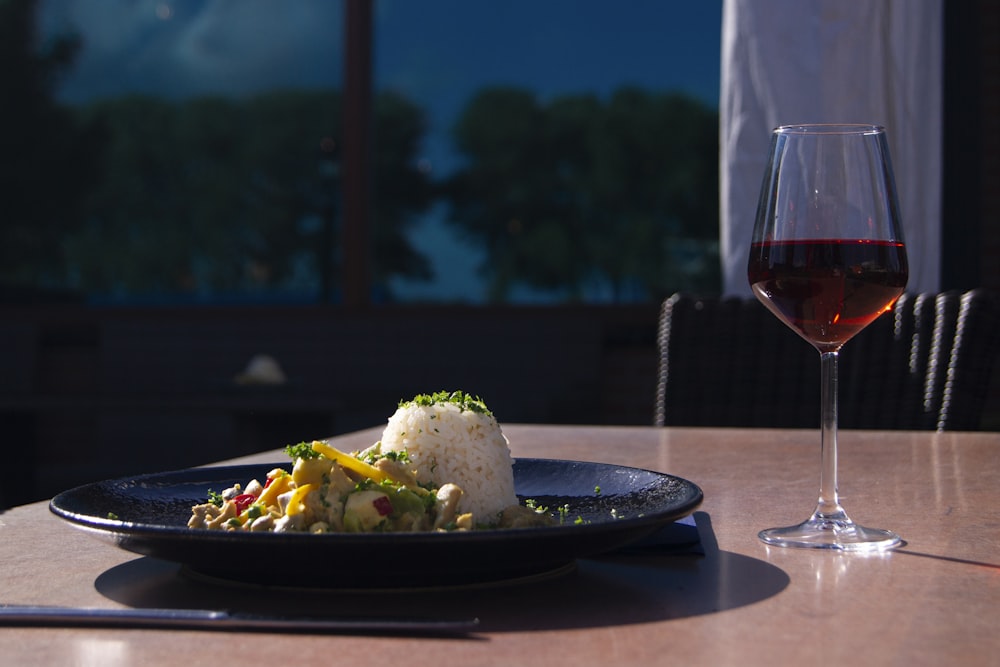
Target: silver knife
column 205, row 619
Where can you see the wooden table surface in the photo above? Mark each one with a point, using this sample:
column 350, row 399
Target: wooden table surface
column 935, row 601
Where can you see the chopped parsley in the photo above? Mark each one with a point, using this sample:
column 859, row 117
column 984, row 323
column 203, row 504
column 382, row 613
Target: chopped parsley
column 532, row 504
column 367, row 484
column 392, row 455
column 563, row 513
column 460, row 398
column 216, row 498
column 303, row 450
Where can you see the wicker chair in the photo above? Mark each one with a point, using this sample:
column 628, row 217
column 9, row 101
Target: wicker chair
column 924, row 366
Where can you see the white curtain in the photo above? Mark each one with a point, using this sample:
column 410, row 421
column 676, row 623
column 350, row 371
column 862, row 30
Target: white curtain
column 832, row 61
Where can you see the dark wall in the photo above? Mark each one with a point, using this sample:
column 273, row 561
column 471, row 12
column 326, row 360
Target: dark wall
column 90, row 393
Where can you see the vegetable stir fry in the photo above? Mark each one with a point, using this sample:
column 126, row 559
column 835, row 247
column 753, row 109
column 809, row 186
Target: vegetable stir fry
column 332, row 491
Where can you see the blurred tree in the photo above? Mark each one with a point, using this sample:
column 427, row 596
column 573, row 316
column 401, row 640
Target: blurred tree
column 402, row 188
column 580, row 192
column 124, row 241
column 240, row 196
column 502, row 136
column 46, row 156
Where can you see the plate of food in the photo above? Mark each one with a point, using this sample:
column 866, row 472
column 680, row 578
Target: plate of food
column 437, row 501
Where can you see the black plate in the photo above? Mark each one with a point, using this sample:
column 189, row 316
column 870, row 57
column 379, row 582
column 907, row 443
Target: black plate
column 150, row 514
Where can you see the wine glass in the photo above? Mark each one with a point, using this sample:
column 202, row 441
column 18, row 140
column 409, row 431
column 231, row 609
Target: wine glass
column 827, row 258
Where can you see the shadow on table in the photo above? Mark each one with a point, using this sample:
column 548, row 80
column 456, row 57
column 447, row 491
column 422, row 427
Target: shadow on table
column 619, row 589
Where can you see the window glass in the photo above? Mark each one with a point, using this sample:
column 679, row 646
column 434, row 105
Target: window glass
column 575, row 143
column 524, row 152
column 202, row 131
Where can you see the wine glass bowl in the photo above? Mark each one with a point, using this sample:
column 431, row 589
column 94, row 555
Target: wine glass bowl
column 828, row 290
column 827, row 258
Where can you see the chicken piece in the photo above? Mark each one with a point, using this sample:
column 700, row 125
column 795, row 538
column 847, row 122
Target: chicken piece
column 228, row 512
column 202, row 514
column 283, row 501
column 262, row 524
column 397, row 471
column 289, row 524
column 317, row 508
column 446, row 505
column 340, row 484
column 254, row 488
column 332, row 509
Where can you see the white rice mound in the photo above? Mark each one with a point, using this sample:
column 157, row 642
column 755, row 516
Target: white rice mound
column 448, row 444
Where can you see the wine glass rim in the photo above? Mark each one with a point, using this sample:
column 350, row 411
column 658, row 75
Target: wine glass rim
column 830, row 128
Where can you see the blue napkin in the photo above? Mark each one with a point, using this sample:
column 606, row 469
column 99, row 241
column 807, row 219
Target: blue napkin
column 679, row 537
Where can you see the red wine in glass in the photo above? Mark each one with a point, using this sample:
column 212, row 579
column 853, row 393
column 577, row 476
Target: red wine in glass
column 827, row 290
column 827, row 258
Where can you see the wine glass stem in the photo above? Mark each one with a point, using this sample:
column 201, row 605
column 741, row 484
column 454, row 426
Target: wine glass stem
column 829, row 502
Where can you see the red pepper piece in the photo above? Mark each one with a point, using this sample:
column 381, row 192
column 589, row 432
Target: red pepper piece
column 243, row 501
column 382, row 505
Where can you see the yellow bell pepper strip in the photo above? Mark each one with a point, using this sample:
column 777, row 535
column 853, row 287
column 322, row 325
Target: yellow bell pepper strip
column 278, row 485
column 310, row 471
column 349, row 462
column 296, row 504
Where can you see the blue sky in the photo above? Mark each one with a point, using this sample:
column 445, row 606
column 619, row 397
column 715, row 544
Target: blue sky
column 436, row 52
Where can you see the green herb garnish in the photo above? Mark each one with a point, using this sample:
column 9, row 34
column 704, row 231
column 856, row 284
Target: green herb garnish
column 563, row 513
column 400, row 457
column 303, row 450
column 216, row 498
column 460, row 398
column 533, row 505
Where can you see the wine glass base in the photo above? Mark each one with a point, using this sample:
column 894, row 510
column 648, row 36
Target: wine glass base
column 836, row 534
